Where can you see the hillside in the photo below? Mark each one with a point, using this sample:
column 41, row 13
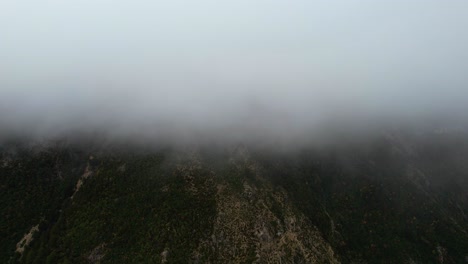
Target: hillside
column 396, row 198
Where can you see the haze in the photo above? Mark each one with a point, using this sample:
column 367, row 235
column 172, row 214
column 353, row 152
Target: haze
column 241, row 67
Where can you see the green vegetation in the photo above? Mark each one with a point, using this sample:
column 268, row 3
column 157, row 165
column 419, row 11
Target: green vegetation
column 131, row 212
column 32, row 190
column 371, row 203
column 371, row 208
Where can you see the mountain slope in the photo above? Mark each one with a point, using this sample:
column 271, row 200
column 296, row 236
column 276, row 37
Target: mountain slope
column 393, row 199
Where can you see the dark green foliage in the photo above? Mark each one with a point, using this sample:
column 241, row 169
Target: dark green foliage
column 372, row 202
column 369, row 206
column 133, row 212
column 32, row 190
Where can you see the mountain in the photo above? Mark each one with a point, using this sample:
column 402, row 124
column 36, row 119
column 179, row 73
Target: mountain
column 393, row 198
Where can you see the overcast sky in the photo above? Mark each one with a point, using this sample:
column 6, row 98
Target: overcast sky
column 218, row 64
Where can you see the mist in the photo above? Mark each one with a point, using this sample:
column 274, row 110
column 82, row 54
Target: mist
column 230, row 70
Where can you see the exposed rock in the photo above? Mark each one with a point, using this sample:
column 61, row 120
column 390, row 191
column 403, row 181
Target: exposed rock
column 26, row 240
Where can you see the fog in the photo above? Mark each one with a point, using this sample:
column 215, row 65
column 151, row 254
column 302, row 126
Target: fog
column 229, row 69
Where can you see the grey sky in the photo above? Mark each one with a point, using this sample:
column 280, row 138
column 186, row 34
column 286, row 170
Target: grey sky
column 221, row 63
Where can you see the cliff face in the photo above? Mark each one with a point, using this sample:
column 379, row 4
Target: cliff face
column 394, row 199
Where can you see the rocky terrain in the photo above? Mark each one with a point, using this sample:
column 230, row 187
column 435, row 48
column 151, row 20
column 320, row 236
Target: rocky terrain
column 395, row 198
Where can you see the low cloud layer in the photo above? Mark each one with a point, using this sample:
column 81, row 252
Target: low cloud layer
column 228, row 68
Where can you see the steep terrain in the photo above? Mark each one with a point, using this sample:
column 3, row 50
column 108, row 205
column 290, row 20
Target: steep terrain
column 396, row 198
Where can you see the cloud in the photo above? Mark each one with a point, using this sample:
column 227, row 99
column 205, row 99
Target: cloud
column 234, row 68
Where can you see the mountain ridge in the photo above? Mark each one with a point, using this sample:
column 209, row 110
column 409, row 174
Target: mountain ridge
column 397, row 198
